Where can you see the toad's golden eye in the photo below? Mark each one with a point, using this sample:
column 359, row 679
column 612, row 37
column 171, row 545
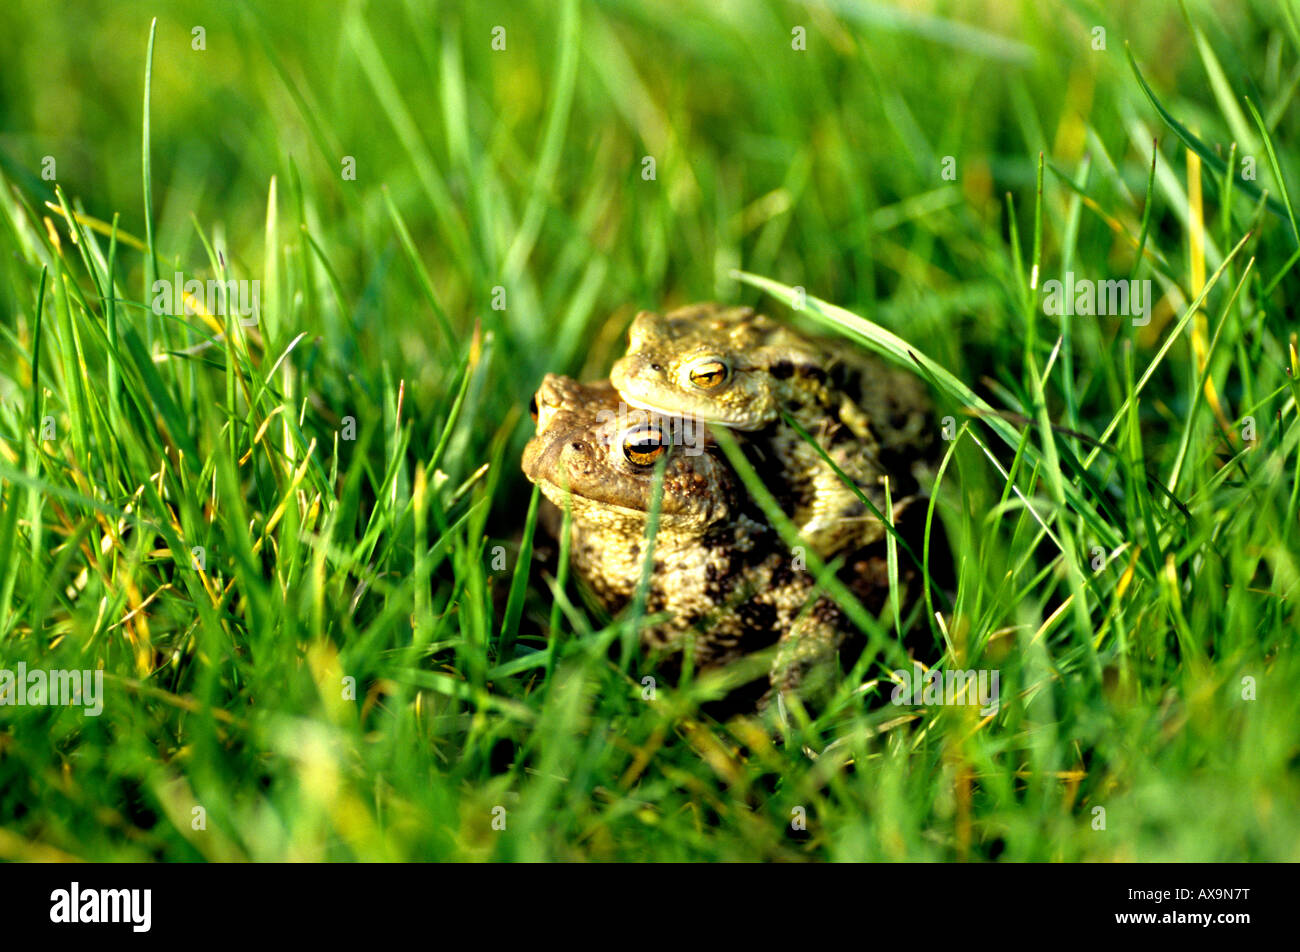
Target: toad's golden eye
column 643, row 445
column 709, row 374
column 532, row 408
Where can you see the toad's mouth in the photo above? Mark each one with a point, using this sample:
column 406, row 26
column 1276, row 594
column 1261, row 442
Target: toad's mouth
column 584, row 503
column 661, row 410
column 564, row 491
column 582, row 490
column 612, row 497
column 632, row 374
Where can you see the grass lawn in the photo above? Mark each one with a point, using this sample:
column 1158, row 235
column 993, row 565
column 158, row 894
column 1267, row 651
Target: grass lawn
column 300, row 547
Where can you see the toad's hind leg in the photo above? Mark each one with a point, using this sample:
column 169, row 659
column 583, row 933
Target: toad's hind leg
column 837, row 519
column 807, row 655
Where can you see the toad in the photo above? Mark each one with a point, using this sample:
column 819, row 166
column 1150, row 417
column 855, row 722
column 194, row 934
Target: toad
column 734, row 367
column 719, row 571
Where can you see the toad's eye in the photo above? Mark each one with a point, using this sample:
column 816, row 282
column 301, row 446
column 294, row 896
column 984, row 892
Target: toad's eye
column 709, row 374
column 532, row 408
column 643, row 445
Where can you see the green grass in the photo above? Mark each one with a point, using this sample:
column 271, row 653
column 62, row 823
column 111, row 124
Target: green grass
column 402, row 558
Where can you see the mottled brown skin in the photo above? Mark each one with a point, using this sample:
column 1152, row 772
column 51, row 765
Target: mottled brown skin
column 870, row 420
column 719, row 570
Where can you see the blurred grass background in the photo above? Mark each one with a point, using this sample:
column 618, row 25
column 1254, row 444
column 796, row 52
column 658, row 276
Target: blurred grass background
column 522, row 170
